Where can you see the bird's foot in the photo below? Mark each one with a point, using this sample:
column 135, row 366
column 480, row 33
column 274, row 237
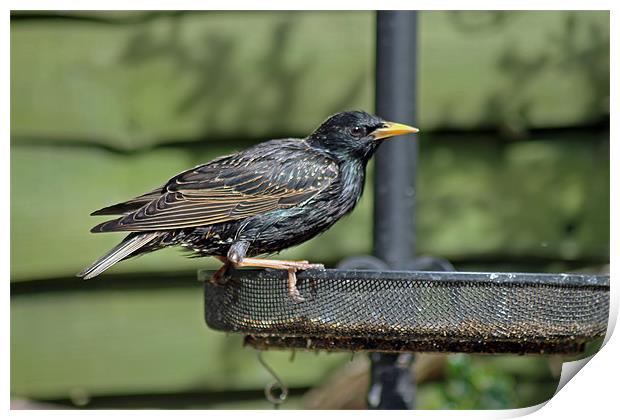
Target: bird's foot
column 293, row 291
column 220, row 277
column 291, row 266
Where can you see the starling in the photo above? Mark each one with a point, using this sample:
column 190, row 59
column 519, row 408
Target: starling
column 258, row 201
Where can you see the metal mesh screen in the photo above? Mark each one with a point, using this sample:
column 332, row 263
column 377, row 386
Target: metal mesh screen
column 412, row 311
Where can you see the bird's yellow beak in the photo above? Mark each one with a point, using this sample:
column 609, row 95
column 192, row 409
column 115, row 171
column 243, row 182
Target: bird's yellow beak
column 391, row 129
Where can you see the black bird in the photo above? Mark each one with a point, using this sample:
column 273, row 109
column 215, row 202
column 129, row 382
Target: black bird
column 260, row 200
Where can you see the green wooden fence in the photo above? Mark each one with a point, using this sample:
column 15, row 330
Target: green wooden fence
column 514, row 167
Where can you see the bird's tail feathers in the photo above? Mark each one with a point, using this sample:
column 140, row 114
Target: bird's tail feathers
column 129, row 245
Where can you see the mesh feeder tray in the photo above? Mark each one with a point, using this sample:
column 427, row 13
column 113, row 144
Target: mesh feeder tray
column 405, row 311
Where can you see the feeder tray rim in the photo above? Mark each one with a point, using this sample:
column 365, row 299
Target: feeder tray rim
column 465, row 277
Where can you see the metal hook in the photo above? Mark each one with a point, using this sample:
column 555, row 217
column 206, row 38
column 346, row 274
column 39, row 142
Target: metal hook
column 270, row 389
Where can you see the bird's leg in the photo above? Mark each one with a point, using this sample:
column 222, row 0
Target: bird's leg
column 236, row 255
column 219, row 277
column 278, row 264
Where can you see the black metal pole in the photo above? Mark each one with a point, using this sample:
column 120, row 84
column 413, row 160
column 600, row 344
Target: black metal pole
column 395, row 161
column 392, row 385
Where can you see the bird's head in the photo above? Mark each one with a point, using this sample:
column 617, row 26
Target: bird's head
column 355, row 134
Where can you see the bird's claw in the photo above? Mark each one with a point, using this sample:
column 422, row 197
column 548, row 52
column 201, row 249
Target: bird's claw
column 296, row 296
column 292, row 268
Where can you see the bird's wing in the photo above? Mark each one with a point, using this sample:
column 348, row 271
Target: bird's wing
column 254, row 182
column 129, row 205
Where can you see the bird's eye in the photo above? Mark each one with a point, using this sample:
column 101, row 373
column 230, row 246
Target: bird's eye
column 357, row 131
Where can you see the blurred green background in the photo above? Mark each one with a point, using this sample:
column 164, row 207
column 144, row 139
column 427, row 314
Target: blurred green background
column 513, row 175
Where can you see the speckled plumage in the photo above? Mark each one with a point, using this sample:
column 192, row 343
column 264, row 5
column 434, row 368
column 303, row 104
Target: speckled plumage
column 270, row 196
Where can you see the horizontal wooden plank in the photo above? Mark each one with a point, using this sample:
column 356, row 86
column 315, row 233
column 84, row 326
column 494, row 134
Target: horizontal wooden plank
column 547, row 198
column 99, row 342
column 193, row 76
column 225, row 75
column 513, row 70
